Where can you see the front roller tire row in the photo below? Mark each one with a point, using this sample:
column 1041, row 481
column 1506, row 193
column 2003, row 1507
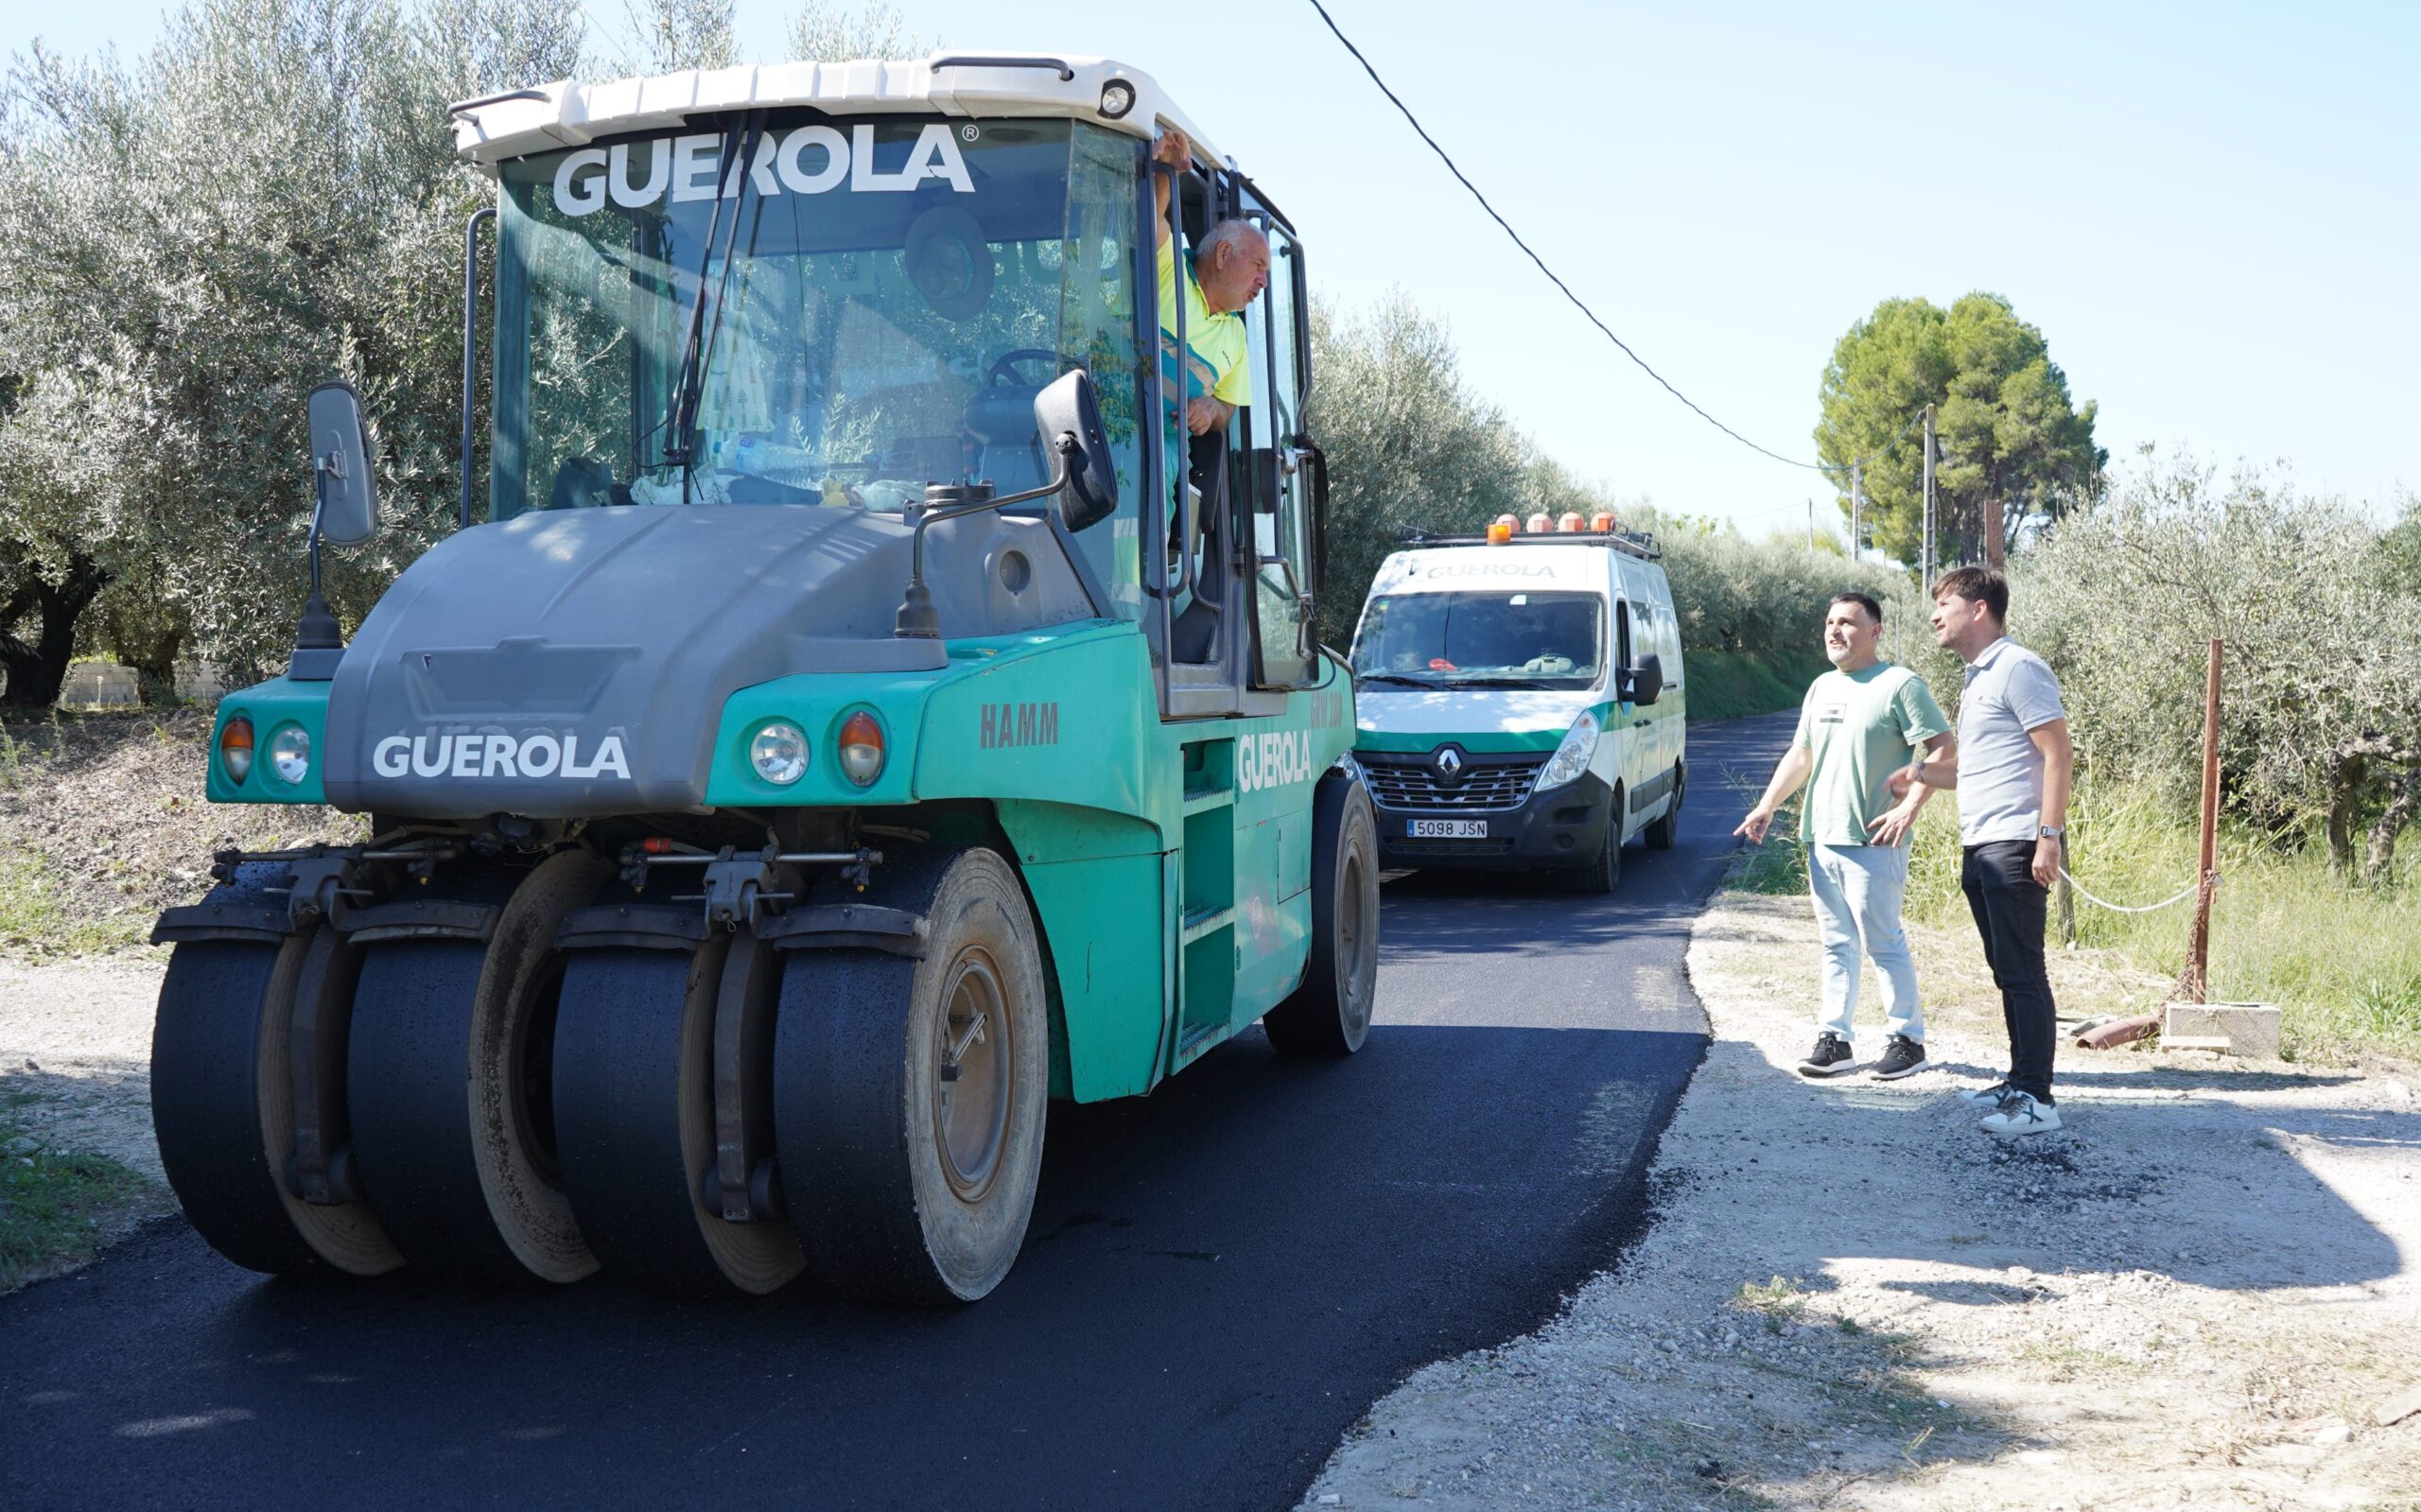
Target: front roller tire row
column 223, row 1094
column 519, row 1113
column 909, row 1094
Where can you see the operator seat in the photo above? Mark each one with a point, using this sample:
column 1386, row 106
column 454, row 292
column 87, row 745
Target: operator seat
column 1009, row 448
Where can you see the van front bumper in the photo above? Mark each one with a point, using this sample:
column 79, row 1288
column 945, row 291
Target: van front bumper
column 1561, row 828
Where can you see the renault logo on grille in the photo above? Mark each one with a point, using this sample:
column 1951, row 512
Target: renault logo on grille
column 1450, row 763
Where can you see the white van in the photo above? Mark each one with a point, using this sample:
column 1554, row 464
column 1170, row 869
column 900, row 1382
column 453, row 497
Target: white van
column 1519, row 702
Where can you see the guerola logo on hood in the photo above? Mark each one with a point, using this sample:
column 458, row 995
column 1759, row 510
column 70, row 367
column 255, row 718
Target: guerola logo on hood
column 491, row 754
column 807, row 159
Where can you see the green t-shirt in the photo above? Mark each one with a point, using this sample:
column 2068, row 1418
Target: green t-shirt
column 1859, row 726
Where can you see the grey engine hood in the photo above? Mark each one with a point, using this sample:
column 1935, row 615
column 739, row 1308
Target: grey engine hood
column 576, row 662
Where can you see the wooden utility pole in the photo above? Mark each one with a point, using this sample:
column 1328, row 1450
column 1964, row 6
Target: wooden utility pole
column 1857, row 509
column 1811, row 525
column 2195, row 986
column 1925, row 559
column 2194, row 983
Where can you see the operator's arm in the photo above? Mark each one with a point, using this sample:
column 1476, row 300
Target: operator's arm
column 1789, row 776
column 2058, row 762
column 1172, row 147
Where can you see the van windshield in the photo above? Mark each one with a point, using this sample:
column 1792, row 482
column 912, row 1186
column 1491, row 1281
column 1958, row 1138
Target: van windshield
column 1482, row 639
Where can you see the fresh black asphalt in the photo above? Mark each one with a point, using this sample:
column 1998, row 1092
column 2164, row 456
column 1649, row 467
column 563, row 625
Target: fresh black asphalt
column 1220, row 1278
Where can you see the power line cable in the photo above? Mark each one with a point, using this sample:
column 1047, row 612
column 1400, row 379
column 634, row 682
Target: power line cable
column 1577, row 302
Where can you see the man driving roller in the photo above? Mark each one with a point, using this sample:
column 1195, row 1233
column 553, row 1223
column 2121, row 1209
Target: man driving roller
column 1228, row 268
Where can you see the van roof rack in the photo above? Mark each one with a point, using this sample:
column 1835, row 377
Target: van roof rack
column 1631, row 543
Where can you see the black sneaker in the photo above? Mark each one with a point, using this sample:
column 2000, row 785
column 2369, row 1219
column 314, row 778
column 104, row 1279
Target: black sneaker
column 1830, row 1057
column 1901, row 1056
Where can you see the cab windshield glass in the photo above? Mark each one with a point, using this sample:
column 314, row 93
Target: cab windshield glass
column 857, row 308
column 1481, row 639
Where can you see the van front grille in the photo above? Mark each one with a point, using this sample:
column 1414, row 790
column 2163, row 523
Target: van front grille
column 1416, row 783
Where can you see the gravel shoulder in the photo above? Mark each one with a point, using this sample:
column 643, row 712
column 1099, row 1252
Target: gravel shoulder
column 2201, row 1293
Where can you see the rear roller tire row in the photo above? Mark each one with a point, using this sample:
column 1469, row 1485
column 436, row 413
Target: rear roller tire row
column 515, row 1113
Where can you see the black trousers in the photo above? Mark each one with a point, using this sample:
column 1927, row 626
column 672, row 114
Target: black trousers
column 2010, row 905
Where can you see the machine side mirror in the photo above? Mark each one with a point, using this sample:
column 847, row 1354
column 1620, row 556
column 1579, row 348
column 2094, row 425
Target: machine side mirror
column 348, row 498
column 1069, row 418
column 1643, row 684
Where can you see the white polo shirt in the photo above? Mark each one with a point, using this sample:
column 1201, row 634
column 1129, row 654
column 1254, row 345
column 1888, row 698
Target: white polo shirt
column 2009, row 693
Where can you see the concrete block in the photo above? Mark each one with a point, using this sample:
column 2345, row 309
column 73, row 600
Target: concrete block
column 2251, row 1028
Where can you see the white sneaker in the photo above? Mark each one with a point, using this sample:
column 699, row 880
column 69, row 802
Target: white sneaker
column 2020, row 1114
column 1986, row 1096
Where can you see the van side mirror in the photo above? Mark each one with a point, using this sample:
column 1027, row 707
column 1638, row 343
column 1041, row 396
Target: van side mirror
column 1068, row 417
column 348, row 494
column 1644, row 682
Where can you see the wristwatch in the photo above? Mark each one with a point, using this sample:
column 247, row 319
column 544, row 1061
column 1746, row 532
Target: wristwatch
column 2050, row 831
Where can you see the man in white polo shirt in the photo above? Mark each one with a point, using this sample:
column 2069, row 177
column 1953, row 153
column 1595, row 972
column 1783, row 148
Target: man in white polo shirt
column 1855, row 727
column 2013, row 771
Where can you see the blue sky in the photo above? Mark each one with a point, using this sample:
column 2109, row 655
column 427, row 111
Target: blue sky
column 2212, row 211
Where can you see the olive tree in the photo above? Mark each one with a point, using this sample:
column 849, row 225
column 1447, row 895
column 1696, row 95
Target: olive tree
column 267, row 198
column 1409, row 447
column 2321, row 702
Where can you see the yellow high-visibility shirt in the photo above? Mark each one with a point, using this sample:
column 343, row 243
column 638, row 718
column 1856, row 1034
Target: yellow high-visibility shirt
column 1218, row 366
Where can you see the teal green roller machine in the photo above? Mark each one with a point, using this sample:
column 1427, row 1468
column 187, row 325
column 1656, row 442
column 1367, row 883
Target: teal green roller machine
column 859, row 713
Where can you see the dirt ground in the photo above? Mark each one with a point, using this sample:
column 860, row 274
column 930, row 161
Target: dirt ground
column 103, row 814
column 2201, row 1293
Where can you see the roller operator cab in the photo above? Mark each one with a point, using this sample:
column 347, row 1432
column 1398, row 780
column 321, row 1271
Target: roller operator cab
column 858, row 715
column 1521, row 702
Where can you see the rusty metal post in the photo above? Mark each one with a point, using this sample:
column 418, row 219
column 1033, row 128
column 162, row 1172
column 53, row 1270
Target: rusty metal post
column 2067, row 894
column 2195, row 986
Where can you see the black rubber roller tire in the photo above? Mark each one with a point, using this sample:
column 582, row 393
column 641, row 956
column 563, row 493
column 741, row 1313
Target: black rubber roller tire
column 222, row 1098
column 906, row 1182
column 1330, row 1013
column 451, row 1082
column 635, row 1121
column 1666, row 827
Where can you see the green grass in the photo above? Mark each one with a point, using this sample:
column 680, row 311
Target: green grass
column 33, row 921
column 2344, row 963
column 54, row 1204
column 1729, row 685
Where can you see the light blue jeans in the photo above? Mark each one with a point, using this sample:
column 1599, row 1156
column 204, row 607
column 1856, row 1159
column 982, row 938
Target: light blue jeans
column 1857, row 891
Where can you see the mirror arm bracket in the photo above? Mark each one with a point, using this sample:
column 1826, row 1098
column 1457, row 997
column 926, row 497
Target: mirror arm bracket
column 917, row 618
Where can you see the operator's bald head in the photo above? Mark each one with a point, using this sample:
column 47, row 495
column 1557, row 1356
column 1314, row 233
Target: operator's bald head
column 1232, row 264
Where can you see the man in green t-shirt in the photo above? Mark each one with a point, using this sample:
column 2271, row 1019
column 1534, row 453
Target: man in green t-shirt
column 1855, row 727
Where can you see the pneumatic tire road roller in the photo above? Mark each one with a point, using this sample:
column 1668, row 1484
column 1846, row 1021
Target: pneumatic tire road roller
column 853, row 724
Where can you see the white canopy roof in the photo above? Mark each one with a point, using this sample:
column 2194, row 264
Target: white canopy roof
column 570, row 113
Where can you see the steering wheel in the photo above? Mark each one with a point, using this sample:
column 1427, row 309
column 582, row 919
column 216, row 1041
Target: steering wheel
column 1004, row 366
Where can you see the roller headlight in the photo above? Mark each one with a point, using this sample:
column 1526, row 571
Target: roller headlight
column 236, row 748
column 1571, row 758
column 779, row 752
column 290, row 753
column 861, row 753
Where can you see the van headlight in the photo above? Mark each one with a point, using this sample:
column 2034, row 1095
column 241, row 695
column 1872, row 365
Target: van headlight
column 1571, row 758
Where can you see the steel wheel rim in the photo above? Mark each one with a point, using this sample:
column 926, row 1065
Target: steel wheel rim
column 972, row 1109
